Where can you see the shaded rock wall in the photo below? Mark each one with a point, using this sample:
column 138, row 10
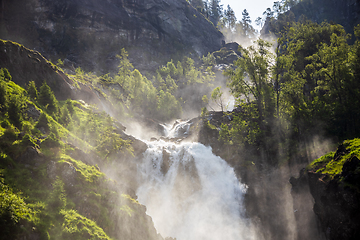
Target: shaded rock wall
column 90, row 33
column 336, row 200
column 346, row 13
column 270, row 203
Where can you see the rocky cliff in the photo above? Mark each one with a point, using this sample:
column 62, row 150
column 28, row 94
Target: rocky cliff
column 333, row 181
column 28, row 65
column 91, row 33
column 345, row 13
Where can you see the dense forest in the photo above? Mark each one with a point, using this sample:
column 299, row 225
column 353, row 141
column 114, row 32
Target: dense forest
column 57, row 156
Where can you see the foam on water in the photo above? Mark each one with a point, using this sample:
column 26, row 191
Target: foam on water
column 192, row 194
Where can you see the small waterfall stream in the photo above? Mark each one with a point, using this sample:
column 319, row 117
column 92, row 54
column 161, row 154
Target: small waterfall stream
column 190, row 193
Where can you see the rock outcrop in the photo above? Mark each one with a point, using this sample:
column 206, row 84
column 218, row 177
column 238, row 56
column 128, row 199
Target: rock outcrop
column 27, row 65
column 336, row 197
column 91, row 33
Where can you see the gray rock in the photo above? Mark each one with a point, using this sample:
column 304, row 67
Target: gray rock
column 31, row 157
column 32, row 112
column 90, row 33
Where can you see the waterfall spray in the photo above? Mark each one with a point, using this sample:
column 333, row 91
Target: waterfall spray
column 192, row 194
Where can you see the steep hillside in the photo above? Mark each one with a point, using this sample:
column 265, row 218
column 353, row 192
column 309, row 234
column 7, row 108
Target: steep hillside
column 55, row 164
column 91, row 33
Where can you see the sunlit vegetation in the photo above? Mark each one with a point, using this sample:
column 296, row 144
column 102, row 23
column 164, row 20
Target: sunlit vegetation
column 42, row 186
column 309, row 87
column 161, row 96
column 332, row 165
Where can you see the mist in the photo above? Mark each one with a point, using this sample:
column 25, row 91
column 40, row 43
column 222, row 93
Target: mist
column 192, row 194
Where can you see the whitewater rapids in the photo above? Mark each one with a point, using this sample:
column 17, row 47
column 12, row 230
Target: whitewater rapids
column 190, row 193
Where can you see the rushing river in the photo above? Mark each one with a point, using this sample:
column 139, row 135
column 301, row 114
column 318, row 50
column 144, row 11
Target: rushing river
column 190, row 193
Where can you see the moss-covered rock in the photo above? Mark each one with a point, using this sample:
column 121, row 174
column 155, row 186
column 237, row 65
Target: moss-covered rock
column 334, row 183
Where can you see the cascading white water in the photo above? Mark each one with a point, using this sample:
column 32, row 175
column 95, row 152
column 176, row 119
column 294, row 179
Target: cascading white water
column 192, row 194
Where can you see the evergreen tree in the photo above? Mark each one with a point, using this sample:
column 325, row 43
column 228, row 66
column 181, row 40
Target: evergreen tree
column 248, row 30
column 216, row 11
column 31, row 90
column 5, row 75
column 14, row 110
column 48, row 99
column 43, row 122
column 230, row 17
column 3, row 96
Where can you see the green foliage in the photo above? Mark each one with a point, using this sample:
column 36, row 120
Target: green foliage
column 47, row 197
column 12, row 210
column 332, row 167
column 3, row 96
column 310, row 87
column 31, row 90
column 43, row 122
column 27, row 140
column 112, row 143
column 52, row 141
column 12, row 99
column 14, row 111
column 65, row 117
column 48, row 100
column 216, row 96
column 168, row 107
column 70, row 106
column 59, row 63
column 209, row 60
column 5, row 75
column 57, row 198
column 76, row 226
column 251, row 84
column 88, row 173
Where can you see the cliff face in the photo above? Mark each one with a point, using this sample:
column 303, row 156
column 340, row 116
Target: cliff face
column 345, row 13
column 27, row 65
column 334, row 181
column 91, row 33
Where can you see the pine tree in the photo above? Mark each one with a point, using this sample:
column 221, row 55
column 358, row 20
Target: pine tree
column 216, row 11
column 31, row 90
column 5, row 75
column 14, row 111
column 3, row 96
column 230, row 17
column 48, row 99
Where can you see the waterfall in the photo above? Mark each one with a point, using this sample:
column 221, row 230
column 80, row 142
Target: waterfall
column 190, row 193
